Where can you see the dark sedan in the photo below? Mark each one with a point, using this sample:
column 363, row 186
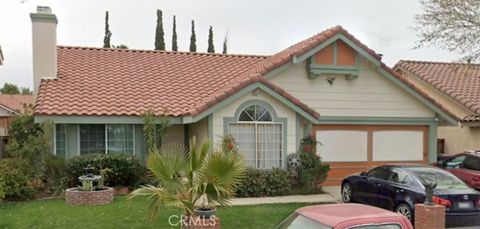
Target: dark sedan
column 400, row 187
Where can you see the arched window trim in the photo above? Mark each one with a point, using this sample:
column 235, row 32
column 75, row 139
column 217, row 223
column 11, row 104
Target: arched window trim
column 265, row 113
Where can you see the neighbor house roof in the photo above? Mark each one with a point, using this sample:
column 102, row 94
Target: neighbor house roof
column 459, row 81
column 96, row 81
column 15, row 103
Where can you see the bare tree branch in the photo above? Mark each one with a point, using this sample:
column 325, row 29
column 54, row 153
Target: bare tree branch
column 453, row 25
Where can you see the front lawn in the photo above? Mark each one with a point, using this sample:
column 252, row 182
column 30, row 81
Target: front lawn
column 123, row 213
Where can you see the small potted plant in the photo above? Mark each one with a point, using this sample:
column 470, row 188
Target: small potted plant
column 204, row 209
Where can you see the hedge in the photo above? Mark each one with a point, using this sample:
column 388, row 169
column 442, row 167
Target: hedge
column 264, row 182
column 124, row 170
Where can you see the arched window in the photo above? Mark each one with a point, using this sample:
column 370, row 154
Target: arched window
column 258, row 135
column 255, row 113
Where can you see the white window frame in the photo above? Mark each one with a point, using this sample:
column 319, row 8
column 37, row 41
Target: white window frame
column 256, row 123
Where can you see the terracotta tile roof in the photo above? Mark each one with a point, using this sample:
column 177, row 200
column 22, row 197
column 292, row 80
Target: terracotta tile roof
column 16, row 102
column 97, row 81
column 457, row 80
column 94, row 81
column 471, row 118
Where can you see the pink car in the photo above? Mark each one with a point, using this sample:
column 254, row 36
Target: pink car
column 344, row 216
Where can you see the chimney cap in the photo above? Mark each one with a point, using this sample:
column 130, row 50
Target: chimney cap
column 44, row 14
column 44, row 10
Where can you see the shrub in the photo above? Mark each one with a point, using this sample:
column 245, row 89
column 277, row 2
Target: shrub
column 56, row 175
column 312, row 173
column 124, row 170
column 264, row 182
column 29, row 141
column 16, row 179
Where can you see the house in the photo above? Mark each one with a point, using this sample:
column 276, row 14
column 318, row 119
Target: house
column 11, row 106
column 457, row 87
column 330, row 86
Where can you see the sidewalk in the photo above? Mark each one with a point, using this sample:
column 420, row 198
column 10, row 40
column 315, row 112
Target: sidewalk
column 317, row 198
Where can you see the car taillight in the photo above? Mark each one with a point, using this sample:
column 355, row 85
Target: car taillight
column 477, row 203
column 442, row 201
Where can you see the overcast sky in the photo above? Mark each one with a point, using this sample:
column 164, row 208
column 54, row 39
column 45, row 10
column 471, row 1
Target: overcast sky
column 255, row 26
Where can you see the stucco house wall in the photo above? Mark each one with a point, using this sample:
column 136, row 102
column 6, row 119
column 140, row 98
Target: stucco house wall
column 371, row 95
column 457, row 138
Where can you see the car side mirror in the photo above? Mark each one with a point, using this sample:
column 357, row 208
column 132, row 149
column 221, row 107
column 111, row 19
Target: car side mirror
column 363, row 174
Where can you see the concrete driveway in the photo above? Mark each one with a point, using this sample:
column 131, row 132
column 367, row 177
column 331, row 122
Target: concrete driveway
column 333, row 191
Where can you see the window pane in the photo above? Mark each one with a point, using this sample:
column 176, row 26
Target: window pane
column 245, row 117
column 379, row 173
column 444, row 179
column 120, row 138
column 269, row 145
column 265, row 117
column 456, row 162
column 399, row 176
column 60, row 139
column 472, row 163
column 244, row 135
column 92, row 138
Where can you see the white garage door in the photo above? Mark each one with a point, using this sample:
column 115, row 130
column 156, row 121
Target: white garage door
column 397, row 145
column 343, row 145
column 350, row 149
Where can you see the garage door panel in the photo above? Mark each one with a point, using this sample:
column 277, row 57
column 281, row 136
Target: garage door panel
column 397, row 145
column 343, row 145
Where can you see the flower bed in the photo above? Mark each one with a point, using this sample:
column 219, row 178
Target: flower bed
column 76, row 196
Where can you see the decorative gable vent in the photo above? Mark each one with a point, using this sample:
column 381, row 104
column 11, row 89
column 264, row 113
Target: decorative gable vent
column 335, row 59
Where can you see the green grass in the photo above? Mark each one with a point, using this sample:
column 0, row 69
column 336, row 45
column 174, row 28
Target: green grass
column 123, row 213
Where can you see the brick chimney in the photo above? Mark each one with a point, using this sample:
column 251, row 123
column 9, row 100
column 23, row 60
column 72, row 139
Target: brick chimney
column 44, row 43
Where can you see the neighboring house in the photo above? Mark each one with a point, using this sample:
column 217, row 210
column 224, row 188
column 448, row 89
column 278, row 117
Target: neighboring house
column 11, row 106
column 330, row 86
column 457, row 87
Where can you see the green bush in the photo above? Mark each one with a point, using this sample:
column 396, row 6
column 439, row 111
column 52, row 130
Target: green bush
column 16, row 180
column 125, row 170
column 312, row 173
column 264, row 182
column 56, row 175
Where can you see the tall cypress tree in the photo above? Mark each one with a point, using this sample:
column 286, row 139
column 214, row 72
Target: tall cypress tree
column 174, row 34
column 159, row 34
column 211, row 48
column 108, row 34
column 225, row 44
column 193, row 39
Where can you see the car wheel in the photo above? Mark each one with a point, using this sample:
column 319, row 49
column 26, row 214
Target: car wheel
column 347, row 193
column 404, row 210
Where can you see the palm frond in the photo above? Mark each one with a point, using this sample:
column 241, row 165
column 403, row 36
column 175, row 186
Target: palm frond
column 167, row 164
column 219, row 175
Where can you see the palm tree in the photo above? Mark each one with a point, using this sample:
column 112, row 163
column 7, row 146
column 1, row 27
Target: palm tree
column 193, row 179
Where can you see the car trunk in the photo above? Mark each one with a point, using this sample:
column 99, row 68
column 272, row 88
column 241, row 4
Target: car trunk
column 461, row 200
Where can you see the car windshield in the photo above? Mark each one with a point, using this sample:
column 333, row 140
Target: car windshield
column 443, row 179
column 296, row 221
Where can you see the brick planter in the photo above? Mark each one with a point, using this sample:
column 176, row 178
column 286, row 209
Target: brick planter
column 75, row 196
column 429, row 217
